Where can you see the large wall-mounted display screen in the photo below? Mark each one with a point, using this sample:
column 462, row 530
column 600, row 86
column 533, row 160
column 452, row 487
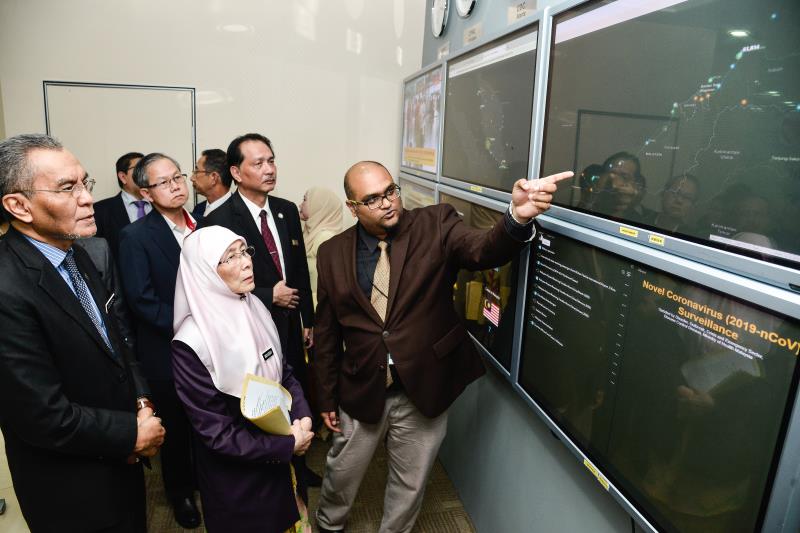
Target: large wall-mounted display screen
column 678, row 393
column 487, row 123
column 682, row 117
column 415, row 195
column 486, row 300
column 422, row 104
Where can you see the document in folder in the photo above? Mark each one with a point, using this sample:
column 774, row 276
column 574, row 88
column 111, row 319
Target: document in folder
column 266, row 404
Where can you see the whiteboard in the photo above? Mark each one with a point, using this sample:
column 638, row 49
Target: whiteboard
column 100, row 122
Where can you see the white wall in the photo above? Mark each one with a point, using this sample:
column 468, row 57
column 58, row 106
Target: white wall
column 322, row 79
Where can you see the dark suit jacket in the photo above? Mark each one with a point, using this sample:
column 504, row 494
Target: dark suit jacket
column 151, row 255
column 110, row 216
column 199, row 210
column 100, row 253
column 67, row 403
column 430, row 347
column 233, row 214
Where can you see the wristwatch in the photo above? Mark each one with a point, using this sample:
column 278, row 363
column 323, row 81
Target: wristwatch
column 143, row 402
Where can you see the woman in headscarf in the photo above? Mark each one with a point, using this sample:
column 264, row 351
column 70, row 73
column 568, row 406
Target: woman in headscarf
column 321, row 212
column 221, row 335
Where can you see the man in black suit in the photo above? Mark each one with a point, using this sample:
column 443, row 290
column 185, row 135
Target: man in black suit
column 150, row 251
column 73, row 409
column 272, row 226
column 113, row 214
column 210, row 180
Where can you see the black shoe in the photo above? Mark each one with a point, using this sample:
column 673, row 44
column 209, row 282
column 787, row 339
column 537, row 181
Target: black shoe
column 186, row 513
column 323, row 530
column 312, row 478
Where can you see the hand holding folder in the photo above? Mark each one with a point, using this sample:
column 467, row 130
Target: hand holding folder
column 266, row 404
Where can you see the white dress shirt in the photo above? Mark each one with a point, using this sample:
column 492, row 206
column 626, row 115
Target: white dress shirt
column 130, row 207
column 210, row 206
column 178, row 233
column 255, row 212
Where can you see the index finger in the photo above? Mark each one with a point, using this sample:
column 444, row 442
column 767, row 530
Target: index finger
column 555, row 178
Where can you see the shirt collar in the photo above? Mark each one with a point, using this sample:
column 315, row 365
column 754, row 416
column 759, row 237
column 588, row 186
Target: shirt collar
column 173, row 226
column 369, row 240
column 255, row 211
column 54, row 255
column 218, row 202
column 128, row 198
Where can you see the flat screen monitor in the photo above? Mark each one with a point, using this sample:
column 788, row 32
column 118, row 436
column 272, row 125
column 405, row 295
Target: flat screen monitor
column 682, row 117
column 486, row 299
column 415, row 195
column 422, row 104
column 679, row 394
column 487, row 122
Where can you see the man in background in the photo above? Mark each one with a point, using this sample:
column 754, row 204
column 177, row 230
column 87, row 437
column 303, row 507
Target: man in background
column 73, row 410
column 113, row 214
column 210, row 180
column 150, row 251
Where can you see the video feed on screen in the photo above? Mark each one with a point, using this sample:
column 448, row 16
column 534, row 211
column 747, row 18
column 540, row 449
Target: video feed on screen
column 486, row 300
column 415, row 195
column 675, row 391
column 487, row 123
column 683, row 117
column 421, row 119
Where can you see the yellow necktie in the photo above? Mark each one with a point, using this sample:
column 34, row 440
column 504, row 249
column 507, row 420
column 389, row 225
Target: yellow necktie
column 379, row 297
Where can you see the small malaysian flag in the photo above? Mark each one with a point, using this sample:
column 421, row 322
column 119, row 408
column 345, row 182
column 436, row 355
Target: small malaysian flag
column 491, row 306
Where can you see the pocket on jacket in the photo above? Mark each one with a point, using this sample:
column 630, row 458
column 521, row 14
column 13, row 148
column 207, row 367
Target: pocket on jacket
column 451, row 340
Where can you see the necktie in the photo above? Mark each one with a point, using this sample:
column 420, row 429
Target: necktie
column 83, row 296
column 379, row 297
column 269, row 240
column 139, row 208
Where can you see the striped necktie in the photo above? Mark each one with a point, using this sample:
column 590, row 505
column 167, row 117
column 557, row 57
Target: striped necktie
column 379, row 298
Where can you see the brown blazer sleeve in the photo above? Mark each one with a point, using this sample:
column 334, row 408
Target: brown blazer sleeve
column 328, row 335
column 475, row 249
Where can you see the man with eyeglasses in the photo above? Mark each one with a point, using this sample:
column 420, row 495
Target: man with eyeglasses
column 150, row 251
column 391, row 353
column 210, row 180
column 74, row 411
column 113, row 214
column 272, row 225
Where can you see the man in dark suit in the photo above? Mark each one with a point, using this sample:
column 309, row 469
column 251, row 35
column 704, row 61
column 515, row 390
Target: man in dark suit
column 150, row 250
column 391, row 354
column 113, row 214
column 210, row 180
column 74, row 411
column 272, row 226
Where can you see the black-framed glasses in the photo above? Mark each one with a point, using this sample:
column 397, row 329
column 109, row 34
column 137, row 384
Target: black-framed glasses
column 198, row 171
column 178, row 179
column 250, row 251
column 377, row 201
column 74, row 189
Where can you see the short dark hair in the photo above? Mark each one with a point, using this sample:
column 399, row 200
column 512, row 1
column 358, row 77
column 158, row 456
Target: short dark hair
column 623, row 156
column 348, row 192
column 215, row 162
column 674, row 180
column 140, row 170
column 235, row 155
column 125, row 161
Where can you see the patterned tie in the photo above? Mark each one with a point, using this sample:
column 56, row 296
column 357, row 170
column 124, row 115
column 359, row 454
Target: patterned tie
column 139, row 208
column 269, row 240
column 82, row 290
column 379, row 297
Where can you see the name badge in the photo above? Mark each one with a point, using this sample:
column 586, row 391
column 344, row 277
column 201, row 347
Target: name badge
column 295, row 242
column 267, row 354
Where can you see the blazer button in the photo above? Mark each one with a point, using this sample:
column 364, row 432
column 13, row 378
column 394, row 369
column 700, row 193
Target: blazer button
column 385, row 334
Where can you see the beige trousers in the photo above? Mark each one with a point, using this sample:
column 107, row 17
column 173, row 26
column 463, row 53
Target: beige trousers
column 412, row 443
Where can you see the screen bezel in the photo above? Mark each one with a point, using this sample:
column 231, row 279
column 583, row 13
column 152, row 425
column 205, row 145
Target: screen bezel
column 420, row 182
column 770, row 299
column 708, row 252
column 417, row 75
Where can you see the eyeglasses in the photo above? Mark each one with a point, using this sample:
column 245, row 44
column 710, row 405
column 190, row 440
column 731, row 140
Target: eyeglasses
column 196, row 171
column 237, row 256
column 179, row 179
column 377, row 201
column 75, row 189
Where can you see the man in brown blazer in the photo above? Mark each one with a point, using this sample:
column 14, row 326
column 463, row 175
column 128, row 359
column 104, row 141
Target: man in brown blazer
column 391, row 354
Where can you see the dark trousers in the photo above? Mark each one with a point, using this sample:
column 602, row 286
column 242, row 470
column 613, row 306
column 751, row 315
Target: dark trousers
column 177, row 465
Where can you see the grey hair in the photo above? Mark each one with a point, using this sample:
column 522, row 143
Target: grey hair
column 16, row 170
column 140, row 170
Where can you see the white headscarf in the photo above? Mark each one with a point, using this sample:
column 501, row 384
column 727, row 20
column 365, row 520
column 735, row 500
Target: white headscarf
column 324, row 218
column 232, row 335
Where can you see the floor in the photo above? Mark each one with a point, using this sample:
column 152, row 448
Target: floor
column 442, row 511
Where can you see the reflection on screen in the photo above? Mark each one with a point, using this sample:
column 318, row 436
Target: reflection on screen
column 421, row 116
column 486, row 300
column 487, row 123
column 694, row 130
column 675, row 391
column 415, row 195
